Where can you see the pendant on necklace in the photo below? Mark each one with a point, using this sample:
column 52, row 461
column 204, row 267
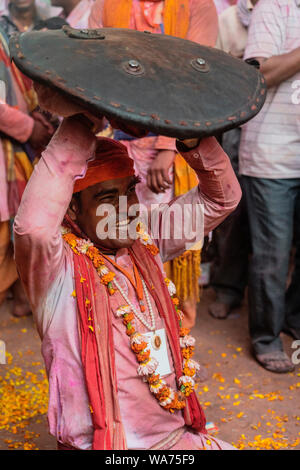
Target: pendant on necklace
column 156, row 341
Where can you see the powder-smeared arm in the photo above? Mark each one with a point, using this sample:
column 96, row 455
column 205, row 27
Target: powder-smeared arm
column 218, row 193
column 39, row 248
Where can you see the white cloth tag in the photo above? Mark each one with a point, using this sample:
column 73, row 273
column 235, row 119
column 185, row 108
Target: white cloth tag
column 161, row 354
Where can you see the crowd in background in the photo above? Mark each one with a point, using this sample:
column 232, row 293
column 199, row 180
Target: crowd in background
column 256, row 249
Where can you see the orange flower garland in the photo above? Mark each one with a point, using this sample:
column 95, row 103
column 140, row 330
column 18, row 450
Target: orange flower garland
column 168, row 398
column 145, row 239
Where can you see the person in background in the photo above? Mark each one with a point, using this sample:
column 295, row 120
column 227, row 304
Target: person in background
column 43, row 8
column 270, row 165
column 230, row 242
column 21, row 16
column 163, row 172
column 24, row 132
column 76, row 12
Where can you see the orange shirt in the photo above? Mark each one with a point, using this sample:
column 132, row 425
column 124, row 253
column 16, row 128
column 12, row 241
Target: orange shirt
column 203, row 26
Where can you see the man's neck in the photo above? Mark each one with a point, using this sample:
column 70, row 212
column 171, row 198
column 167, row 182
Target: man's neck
column 69, row 6
column 23, row 18
column 106, row 251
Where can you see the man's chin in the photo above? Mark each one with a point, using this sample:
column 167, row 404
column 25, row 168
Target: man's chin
column 113, row 245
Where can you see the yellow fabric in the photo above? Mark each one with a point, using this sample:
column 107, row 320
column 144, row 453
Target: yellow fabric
column 9, row 153
column 19, row 167
column 117, row 14
column 24, row 165
column 28, row 92
column 8, row 270
column 31, row 99
column 185, row 270
column 176, row 17
column 185, row 177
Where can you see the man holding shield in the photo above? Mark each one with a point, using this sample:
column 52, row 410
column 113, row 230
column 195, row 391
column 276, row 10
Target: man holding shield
column 119, row 362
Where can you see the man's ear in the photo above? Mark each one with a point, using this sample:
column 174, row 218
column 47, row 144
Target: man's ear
column 73, row 208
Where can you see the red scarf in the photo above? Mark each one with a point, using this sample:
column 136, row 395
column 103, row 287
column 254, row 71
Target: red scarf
column 97, row 349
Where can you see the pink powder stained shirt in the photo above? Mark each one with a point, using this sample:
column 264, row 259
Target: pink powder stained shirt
column 203, row 28
column 45, row 265
column 270, row 142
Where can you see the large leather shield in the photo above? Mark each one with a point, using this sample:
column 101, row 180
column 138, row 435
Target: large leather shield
column 167, row 85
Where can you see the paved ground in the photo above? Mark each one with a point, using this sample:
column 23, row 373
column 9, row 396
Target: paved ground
column 251, row 407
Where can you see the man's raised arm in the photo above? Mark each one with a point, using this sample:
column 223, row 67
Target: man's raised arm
column 218, row 194
column 38, row 242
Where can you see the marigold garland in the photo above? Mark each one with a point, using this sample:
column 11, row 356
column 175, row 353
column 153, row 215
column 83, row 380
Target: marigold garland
column 146, row 240
column 107, row 278
column 168, row 398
